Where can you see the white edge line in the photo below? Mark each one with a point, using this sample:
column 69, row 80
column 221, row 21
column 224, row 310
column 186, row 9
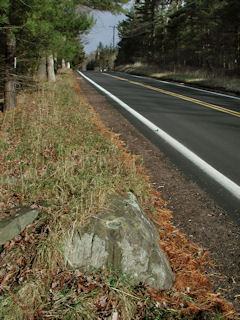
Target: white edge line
column 186, row 86
column 225, row 182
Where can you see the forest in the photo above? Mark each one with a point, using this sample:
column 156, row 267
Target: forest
column 38, row 35
column 183, row 33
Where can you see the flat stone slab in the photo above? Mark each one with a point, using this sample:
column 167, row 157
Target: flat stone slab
column 12, row 226
column 123, row 238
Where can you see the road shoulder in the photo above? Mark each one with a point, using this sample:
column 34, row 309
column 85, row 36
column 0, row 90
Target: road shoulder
column 194, row 213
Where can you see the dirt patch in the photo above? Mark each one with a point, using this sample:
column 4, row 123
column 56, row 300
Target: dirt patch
column 194, row 213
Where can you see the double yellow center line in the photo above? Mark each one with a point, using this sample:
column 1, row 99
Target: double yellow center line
column 176, row 95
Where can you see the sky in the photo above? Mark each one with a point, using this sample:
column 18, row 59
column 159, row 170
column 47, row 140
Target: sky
column 103, row 30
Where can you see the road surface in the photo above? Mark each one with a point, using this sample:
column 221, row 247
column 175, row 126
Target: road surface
column 205, row 124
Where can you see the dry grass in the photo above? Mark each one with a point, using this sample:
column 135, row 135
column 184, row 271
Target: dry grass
column 188, row 75
column 57, row 156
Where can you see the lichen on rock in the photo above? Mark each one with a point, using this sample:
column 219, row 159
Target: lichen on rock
column 122, row 238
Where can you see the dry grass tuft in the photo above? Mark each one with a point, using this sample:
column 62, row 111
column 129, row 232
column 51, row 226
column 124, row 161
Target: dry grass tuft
column 57, row 156
column 191, row 76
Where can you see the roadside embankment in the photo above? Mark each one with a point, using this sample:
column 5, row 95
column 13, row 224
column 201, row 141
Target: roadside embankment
column 57, row 157
column 189, row 76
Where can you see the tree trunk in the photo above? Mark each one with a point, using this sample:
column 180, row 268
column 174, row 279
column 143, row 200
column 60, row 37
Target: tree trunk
column 10, row 95
column 68, row 65
column 63, row 64
column 50, row 69
column 42, row 70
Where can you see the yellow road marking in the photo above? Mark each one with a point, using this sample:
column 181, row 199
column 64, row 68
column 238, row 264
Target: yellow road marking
column 176, row 95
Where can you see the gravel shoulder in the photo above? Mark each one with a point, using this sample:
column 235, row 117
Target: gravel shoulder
column 194, row 212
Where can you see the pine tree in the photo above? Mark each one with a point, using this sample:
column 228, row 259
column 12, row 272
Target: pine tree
column 199, row 33
column 43, row 28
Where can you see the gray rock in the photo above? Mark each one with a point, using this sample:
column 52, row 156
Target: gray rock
column 122, row 238
column 12, row 226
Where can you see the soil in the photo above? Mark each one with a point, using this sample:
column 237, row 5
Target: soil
column 194, row 212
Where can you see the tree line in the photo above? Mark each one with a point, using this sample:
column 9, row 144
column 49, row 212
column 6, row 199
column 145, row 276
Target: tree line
column 180, row 33
column 37, row 35
column 103, row 58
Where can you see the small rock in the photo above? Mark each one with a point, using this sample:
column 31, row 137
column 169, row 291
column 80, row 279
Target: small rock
column 12, row 226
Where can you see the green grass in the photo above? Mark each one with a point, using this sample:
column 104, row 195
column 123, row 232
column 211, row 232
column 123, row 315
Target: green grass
column 54, row 156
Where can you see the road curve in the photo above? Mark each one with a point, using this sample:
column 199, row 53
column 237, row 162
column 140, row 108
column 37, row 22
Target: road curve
column 207, row 124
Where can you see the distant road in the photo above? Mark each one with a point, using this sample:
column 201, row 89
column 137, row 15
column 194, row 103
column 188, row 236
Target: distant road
column 204, row 129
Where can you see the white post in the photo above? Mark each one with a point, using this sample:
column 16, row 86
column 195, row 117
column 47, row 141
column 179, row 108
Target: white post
column 42, row 70
column 50, row 69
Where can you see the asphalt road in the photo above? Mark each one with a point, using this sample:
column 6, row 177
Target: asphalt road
column 206, row 123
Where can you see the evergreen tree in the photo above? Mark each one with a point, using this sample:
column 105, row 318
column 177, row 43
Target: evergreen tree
column 104, row 57
column 138, row 31
column 197, row 33
column 131, row 45
column 32, row 29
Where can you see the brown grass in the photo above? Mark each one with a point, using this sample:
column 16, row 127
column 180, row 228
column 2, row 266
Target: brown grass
column 191, row 76
column 57, row 155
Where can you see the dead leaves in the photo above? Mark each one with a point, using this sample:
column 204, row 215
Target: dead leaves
column 192, row 291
